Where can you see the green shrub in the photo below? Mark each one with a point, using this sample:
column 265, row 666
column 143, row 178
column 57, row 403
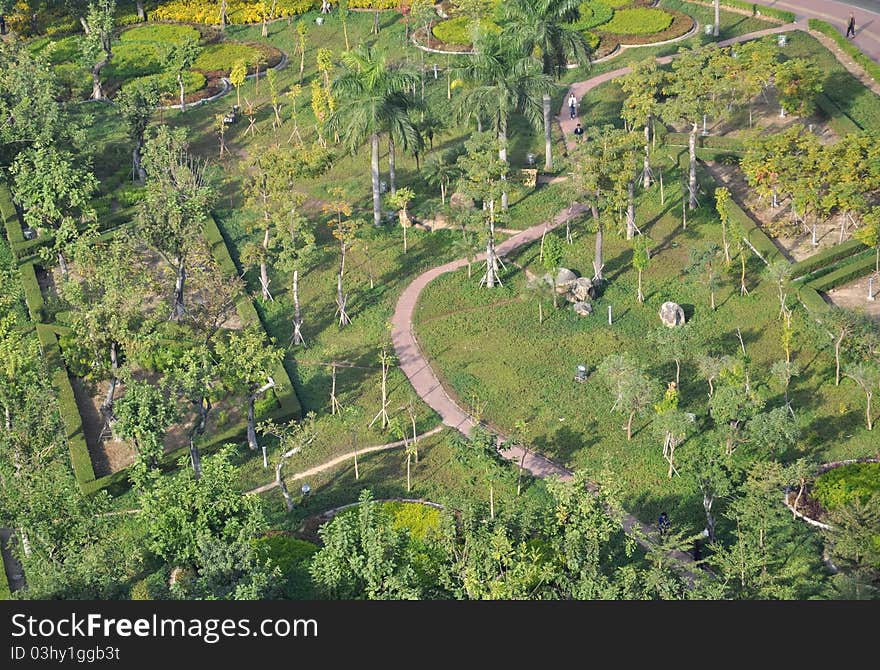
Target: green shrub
column 291, row 556
column 640, row 21
column 812, row 301
column 11, row 224
column 457, row 30
column 374, row 4
column 859, row 266
column 872, row 68
column 593, row 13
column 421, row 521
column 220, row 57
column 160, row 32
column 32, row 294
column 847, row 483
column 764, row 10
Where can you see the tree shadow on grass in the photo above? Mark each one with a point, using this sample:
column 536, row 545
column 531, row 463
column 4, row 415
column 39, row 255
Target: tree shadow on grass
column 564, row 442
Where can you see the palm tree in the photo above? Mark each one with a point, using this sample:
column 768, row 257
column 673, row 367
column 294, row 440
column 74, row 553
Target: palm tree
column 442, row 171
column 371, row 100
column 539, row 27
column 501, row 81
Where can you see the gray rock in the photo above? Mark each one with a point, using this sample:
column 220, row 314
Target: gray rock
column 671, row 314
column 564, row 277
column 582, row 308
column 461, row 201
column 582, row 289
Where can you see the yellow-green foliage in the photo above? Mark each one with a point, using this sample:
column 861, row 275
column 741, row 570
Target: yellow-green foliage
column 458, row 30
column 373, row 4
column 640, row 21
column 237, row 11
column 221, row 57
column 857, row 481
column 164, row 33
column 422, row 521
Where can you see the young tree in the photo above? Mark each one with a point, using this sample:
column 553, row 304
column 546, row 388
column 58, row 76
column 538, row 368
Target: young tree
column 732, row 406
column 544, row 289
column 343, row 18
column 702, row 267
column 441, row 171
column 247, row 363
column 869, row 234
column 293, row 438
column 783, row 372
column 710, row 368
column 771, row 434
column 672, row 425
column 400, row 201
column 176, row 203
column 676, row 344
column 178, row 57
column 237, row 76
column 345, row 230
column 136, row 104
column 301, row 32
column 758, row 63
column 722, row 206
column 705, row 462
column 632, row 389
column 643, row 87
column 867, row 376
column 641, row 260
column 297, row 249
column 143, row 415
column 95, row 45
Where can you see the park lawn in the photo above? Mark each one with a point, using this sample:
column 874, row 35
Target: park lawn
column 488, row 345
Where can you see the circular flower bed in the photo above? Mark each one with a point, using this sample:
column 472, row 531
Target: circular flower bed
column 220, row 58
column 639, row 21
column 457, row 31
column 836, row 485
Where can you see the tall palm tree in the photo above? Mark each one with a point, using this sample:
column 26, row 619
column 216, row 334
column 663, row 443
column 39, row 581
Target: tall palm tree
column 371, row 99
column 501, row 80
column 540, row 28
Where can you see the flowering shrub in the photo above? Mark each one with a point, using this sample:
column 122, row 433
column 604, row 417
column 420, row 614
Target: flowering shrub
column 237, row 11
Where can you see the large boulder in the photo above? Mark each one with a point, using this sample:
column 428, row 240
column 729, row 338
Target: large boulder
column 564, row 278
column 582, row 289
column 671, row 314
column 582, row 308
column 459, row 200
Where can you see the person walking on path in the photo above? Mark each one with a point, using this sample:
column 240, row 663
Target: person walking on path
column 851, row 26
column 579, row 131
column 572, row 105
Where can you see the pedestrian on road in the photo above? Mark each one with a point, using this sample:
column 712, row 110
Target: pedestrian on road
column 572, row 105
column 578, row 131
column 663, row 523
column 851, row 26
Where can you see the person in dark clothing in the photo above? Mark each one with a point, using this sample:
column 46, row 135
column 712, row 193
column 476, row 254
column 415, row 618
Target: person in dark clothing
column 579, row 131
column 2, row 24
column 851, row 26
column 663, row 523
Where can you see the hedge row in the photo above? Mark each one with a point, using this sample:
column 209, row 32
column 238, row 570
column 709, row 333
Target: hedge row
column 811, row 300
column 860, row 266
column 706, row 141
column 838, row 120
column 33, row 296
column 825, row 259
column 757, row 8
column 872, row 68
column 80, row 458
column 14, row 233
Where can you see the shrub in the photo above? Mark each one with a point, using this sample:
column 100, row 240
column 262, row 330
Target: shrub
column 373, row 4
column 74, row 82
column 457, row 30
column 860, row 265
column 847, row 483
column 826, row 258
column 312, row 161
column 160, row 32
column 764, row 10
column 593, row 13
column 134, row 59
column 420, row 520
column 237, row 11
column 192, row 82
column 640, row 21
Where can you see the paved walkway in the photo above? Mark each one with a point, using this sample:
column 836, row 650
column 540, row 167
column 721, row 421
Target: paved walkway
column 837, row 14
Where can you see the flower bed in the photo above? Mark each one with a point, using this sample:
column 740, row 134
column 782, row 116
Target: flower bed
column 639, row 21
column 593, row 13
column 457, row 31
column 681, row 25
column 237, row 11
column 160, row 32
column 219, row 58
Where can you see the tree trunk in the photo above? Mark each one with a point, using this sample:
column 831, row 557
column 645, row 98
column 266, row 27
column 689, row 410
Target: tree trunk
column 692, row 169
column 646, row 168
column 837, row 344
column 502, row 153
column 107, row 406
column 251, row 423
column 492, row 501
column 640, row 296
column 297, row 314
column 662, row 192
column 408, row 479
column 629, row 425
column 376, row 22
column 140, row 10
column 279, row 480
column 182, row 91
column 392, row 172
column 137, row 168
column 548, row 133
column 491, row 261
column 597, row 260
column 630, row 210
column 177, row 309
column 869, row 395
column 717, row 28
column 742, row 276
column 708, row 501
column 264, row 267
column 711, row 388
column 195, row 459
column 374, row 176
column 85, row 25
column 540, row 312
column 97, row 89
column 443, row 195
column 223, row 14
column 62, row 264
column 677, row 373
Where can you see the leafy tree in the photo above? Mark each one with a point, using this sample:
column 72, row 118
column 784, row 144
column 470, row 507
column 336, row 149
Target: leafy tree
column 542, row 28
column 852, row 540
column 676, row 344
column 632, row 389
column 499, row 80
column 143, row 415
column 758, row 59
column 710, row 368
column 643, row 87
column 867, row 376
column 732, row 407
column 205, row 529
column 372, row 100
column 178, row 57
column 345, row 230
column 293, row 437
column 175, row 205
column 96, row 50
column 706, row 463
column 702, row 267
column 365, row 556
column 246, row 359
column 297, row 249
column 798, row 82
column 479, row 452
column 869, row 234
column 772, row 433
column 783, row 372
column 672, row 425
column 442, row 171
column 136, row 104
column 237, row 76
column 722, row 206
column 400, row 200
column 55, row 194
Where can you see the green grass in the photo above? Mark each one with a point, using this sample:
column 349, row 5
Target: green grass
column 640, row 21
column 160, row 32
column 458, row 30
column 221, row 57
column 489, row 343
column 848, row 483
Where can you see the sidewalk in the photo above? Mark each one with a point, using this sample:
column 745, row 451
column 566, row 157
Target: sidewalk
column 837, row 14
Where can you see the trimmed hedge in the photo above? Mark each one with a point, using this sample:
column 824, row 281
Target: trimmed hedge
column 756, row 8
column 730, row 144
column 872, row 68
column 32, row 294
column 825, row 259
column 8, row 213
column 860, row 266
column 80, row 458
column 812, row 301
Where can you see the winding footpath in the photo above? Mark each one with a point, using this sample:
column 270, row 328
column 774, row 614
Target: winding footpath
column 418, row 369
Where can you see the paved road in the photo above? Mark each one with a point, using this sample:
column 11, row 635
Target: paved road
column 866, row 12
